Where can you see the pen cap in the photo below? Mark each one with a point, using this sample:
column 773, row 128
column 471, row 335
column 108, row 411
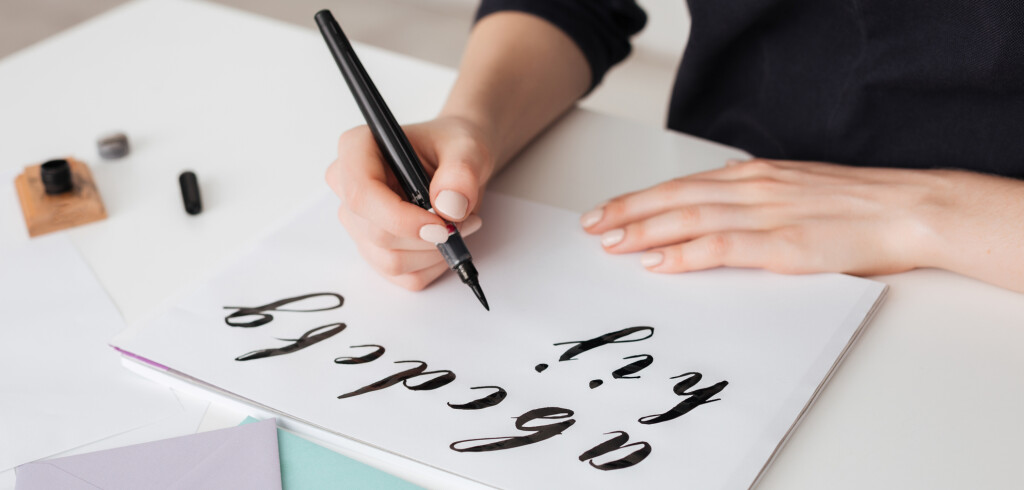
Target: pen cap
column 190, row 192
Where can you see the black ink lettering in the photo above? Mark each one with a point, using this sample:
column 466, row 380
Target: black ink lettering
column 614, row 444
column 372, row 356
column 595, row 383
column 540, row 367
column 633, row 367
column 404, row 377
column 307, row 339
column 485, row 402
column 431, row 384
column 390, row 380
column 694, row 398
column 608, row 338
column 539, row 433
column 265, row 318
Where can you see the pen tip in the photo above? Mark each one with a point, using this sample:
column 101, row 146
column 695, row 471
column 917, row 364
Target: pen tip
column 480, row 295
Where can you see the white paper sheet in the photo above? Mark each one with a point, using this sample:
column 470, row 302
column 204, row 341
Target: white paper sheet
column 61, row 385
column 184, row 423
column 772, row 338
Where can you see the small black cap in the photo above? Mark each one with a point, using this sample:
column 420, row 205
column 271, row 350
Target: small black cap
column 113, row 146
column 56, row 176
column 190, row 192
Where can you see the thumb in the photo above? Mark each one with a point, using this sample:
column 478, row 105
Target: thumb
column 455, row 187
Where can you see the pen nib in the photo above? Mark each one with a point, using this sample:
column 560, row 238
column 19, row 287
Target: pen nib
column 468, row 274
column 480, row 295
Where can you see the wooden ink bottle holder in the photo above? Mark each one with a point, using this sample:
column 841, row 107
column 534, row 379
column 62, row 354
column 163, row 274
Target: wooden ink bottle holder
column 45, row 213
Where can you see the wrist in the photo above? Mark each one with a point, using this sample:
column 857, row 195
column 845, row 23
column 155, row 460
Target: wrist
column 976, row 227
column 964, row 215
column 935, row 221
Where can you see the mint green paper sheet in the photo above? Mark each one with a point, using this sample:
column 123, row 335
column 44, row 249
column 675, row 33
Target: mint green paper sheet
column 308, row 466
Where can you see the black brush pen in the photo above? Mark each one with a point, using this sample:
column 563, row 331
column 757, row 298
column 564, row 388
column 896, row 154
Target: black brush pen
column 395, row 146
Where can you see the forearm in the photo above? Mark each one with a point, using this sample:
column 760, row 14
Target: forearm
column 984, row 238
column 518, row 74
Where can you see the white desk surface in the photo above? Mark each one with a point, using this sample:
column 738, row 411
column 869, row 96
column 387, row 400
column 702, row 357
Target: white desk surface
column 930, row 398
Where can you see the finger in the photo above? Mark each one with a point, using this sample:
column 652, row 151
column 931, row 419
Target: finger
column 455, row 187
column 333, row 177
column 358, row 177
column 418, row 264
column 376, row 203
column 686, row 223
column 364, row 232
column 391, row 263
column 471, row 225
column 419, row 280
column 359, row 158
column 679, row 193
column 760, row 249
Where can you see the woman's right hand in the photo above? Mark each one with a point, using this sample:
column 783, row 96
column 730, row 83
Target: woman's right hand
column 396, row 237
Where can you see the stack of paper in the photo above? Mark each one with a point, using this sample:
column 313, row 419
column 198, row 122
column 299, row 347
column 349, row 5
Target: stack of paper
column 588, row 372
column 62, row 387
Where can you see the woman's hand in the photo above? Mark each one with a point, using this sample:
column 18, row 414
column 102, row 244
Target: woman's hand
column 803, row 217
column 396, row 237
column 519, row 72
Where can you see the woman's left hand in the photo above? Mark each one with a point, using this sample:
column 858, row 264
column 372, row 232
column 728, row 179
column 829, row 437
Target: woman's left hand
column 803, row 217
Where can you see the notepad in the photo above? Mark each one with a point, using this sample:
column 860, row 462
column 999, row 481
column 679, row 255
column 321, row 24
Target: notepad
column 588, row 372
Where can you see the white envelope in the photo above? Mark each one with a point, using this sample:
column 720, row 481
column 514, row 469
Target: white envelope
column 239, row 457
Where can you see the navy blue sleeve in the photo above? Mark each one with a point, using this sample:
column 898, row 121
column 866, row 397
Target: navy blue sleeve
column 601, row 28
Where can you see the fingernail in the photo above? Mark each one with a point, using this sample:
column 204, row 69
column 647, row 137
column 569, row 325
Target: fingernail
column 471, row 225
column 611, row 237
column 651, row 259
column 452, row 204
column 434, row 233
column 590, row 218
column 732, row 162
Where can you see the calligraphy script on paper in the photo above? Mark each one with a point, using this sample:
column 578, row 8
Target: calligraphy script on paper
column 536, row 425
